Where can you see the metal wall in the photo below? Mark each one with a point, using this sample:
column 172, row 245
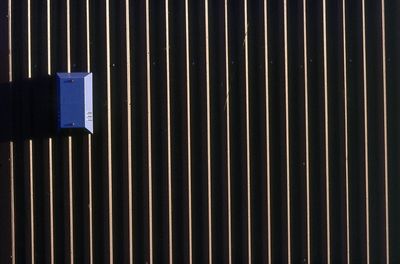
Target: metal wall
column 225, row 131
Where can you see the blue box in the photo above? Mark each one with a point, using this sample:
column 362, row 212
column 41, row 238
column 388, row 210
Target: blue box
column 75, row 102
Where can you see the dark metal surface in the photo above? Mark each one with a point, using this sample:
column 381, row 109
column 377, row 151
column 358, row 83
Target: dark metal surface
column 189, row 162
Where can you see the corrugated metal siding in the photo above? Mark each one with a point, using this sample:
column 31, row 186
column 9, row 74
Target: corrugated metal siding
column 225, row 131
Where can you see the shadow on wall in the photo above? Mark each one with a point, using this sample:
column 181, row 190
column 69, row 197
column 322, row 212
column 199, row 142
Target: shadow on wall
column 28, row 109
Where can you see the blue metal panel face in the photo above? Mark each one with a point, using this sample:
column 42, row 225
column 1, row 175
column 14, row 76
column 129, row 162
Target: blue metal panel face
column 75, row 100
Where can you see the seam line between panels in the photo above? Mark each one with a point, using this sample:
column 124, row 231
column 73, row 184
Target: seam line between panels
column 228, row 134
column 326, row 121
column 346, row 137
column 11, row 145
column 307, row 135
column 189, row 140
column 287, row 132
column 169, row 158
column 366, row 149
column 209, row 194
column 385, row 133
column 149, row 137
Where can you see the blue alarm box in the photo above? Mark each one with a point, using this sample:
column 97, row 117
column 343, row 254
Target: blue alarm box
column 75, row 102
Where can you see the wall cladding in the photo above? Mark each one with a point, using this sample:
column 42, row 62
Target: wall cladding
column 225, row 131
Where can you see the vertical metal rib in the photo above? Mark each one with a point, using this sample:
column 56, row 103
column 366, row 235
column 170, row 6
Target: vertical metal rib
column 88, row 54
column 287, row 132
column 48, row 28
column 71, row 202
column 307, row 136
column 50, row 141
column 326, row 134
column 267, row 132
column 168, row 84
column 51, row 195
column 129, row 130
column 11, row 155
column 149, row 132
column 109, row 143
column 346, row 132
column 228, row 133
column 385, row 133
column 70, row 165
column 90, row 194
column 30, row 146
column 31, row 201
column 10, row 47
column 12, row 193
column 248, row 164
column 208, row 135
column 29, row 39
column 189, row 138
column 89, row 141
column 68, row 6
column 365, row 96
